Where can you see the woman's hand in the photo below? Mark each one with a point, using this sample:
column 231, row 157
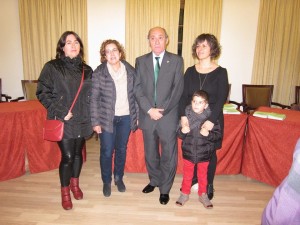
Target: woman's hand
column 208, row 125
column 185, row 129
column 184, row 122
column 204, row 132
column 68, row 116
column 97, row 129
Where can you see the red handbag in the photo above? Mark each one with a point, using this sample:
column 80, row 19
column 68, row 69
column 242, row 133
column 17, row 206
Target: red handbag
column 54, row 129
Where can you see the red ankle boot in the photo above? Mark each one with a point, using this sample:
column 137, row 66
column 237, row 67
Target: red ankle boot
column 66, row 198
column 74, row 186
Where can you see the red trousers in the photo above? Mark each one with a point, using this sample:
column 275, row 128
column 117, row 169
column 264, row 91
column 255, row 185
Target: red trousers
column 188, row 173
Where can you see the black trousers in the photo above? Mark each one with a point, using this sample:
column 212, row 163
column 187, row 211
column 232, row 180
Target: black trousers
column 211, row 170
column 71, row 159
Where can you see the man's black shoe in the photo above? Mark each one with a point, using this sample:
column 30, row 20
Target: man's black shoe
column 149, row 188
column 164, row 199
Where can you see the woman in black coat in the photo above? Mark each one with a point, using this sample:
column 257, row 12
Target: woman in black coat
column 57, row 86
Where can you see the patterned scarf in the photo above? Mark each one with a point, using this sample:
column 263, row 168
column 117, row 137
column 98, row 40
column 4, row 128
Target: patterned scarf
column 195, row 119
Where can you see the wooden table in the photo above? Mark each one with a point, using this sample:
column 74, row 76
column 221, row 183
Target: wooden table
column 270, row 145
column 21, row 136
column 229, row 157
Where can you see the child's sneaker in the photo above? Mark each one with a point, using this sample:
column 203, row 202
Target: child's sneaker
column 183, row 198
column 205, row 201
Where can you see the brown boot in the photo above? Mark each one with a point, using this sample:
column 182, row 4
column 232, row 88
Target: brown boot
column 74, row 186
column 66, row 198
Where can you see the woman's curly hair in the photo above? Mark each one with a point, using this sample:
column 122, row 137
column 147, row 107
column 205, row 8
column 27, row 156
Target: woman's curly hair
column 212, row 41
column 107, row 42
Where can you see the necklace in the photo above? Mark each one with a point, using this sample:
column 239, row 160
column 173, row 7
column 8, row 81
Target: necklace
column 201, row 84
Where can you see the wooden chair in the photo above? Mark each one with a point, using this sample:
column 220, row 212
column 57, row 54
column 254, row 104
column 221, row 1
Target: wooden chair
column 29, row 89
column 228, row 95
column 297, row 95
column 6, row 97
column 296, row 104
column 255, row 96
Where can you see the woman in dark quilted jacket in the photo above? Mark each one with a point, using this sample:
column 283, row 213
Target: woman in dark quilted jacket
column 114, row 111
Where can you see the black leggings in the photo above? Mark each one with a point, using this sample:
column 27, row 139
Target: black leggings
column 71, row 159
column 211, row 170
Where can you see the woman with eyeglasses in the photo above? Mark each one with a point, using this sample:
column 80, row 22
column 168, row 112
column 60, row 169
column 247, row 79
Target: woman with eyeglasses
column 113, row 111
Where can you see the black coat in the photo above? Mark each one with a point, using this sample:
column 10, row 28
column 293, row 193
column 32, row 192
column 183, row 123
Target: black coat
column 57, row 86
column 216, row 85
column 198, row 148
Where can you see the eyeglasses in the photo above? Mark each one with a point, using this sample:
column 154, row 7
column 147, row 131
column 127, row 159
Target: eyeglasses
column 108, row 52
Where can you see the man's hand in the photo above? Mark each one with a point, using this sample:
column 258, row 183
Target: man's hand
column 155, row 113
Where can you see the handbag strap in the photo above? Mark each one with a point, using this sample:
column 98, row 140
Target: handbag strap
column 79, row 89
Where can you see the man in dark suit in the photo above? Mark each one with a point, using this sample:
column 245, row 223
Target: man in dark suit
column 158, row 88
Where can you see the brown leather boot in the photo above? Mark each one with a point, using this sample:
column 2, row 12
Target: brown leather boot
column 74, row 186
column 66, row 198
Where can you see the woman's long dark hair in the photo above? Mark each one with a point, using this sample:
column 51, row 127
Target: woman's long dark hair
column 62, row 42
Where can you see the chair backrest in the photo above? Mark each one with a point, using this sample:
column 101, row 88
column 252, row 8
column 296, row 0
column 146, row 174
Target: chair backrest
column 4, row 96
column 255, row 96
column 0, row 90
column 29, row 89
column 228, row 95
column 297, row 95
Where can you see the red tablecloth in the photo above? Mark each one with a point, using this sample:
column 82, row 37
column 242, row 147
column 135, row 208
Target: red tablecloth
column 229, row 157
column 270, row 145
column 21, row 133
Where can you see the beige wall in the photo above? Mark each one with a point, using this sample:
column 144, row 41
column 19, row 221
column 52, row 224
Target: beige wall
column 11, row 65
column 106, row 19
column 238, row 35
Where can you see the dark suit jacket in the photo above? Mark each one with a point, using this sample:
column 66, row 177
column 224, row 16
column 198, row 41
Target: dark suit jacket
column 169, row 88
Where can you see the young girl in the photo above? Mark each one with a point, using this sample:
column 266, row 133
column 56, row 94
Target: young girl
column 197, row 147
